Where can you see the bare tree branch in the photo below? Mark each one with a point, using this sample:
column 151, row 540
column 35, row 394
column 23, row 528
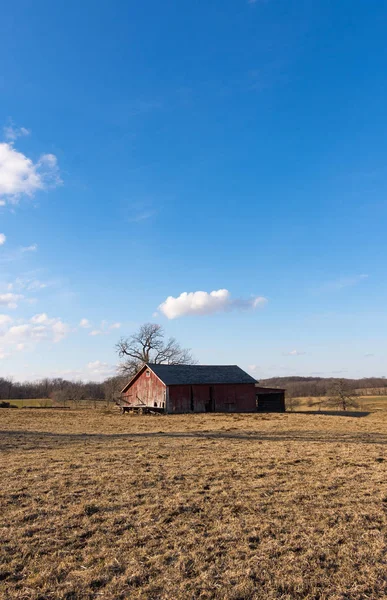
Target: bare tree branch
column 148, row 345
column 340, row 396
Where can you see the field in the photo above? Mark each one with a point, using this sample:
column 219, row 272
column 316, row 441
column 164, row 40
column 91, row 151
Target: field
column 102, row 505
column 364, row 403
column 48, row 403
column 39, row 402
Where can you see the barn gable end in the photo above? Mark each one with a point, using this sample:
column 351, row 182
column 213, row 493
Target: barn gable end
column 145, row 390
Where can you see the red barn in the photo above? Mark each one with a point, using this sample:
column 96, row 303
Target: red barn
column 191, row 388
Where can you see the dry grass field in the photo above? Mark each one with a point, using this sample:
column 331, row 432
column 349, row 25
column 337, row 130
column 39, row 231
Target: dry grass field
column 38, row 402
column 99, row 505
column 364, row 403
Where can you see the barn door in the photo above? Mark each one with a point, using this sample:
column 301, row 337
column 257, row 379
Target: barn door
column 210, row 402
column 192, row 404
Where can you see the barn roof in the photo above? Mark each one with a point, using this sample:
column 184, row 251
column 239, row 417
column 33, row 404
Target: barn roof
column 200, row 374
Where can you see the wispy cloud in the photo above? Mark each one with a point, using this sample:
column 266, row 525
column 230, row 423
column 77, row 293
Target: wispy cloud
column 144, row 215
column 84, row 323
column 3, row 239
column 31, row 248
column 143, row 107
column 26, row 283
column 206, row 303
column 343, row 282
column 100, row 368
column 10, row 300
column 103, row 329
column 294, row 353
column 11, row 132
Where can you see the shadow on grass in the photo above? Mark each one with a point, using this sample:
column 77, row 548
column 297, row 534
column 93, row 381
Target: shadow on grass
column 333, row 413
column 30, row 440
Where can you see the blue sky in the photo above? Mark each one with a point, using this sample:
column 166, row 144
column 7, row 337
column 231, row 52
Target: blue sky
column 150, row 151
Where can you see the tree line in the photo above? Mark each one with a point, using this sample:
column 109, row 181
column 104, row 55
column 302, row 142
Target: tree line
column 60, row 390
column 322, row 386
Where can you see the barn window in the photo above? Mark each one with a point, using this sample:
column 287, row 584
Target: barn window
column 148, row 373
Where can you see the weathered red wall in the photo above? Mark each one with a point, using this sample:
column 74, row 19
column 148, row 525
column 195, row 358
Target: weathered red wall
column 225, row 398
column 147, row 389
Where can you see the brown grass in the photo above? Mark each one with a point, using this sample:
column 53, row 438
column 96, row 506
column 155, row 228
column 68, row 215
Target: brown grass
column 229, row 507
column 364, row 403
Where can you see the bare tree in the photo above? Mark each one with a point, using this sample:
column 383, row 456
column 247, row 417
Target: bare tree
column 148, row 345
column 314, row 402
column 341, row 395
column 112, row 388
column 61, row 397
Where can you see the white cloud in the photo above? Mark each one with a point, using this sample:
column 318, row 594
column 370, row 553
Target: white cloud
column 96, row 332
column 39, row 328
column 100, row 368
column 3, row 354
column 2, row 239
column 31, row 248
column 115, row 326
column 84, row 323
column 11, row 132
column 41, row 318
column 294, row 353
column 5, row 320
column 204, row 303
column 19, row 175
column 10, row 300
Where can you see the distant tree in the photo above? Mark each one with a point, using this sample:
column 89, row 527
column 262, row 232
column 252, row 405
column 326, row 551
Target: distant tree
column 340, row 395
column 61, row 397
column 6, row 386
column 149, row 345
column 75, row 392
column 112, row 388
column 290, row 402
column 315, row 401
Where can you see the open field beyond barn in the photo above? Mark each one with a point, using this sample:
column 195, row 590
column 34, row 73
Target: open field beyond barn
column 32, row 402
column 363, row 403
column 99, row 505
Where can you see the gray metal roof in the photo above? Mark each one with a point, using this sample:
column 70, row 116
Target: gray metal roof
column 201, row 374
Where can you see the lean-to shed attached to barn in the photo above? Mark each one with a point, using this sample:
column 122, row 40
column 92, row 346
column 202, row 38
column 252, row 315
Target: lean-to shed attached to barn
column 270, row 399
